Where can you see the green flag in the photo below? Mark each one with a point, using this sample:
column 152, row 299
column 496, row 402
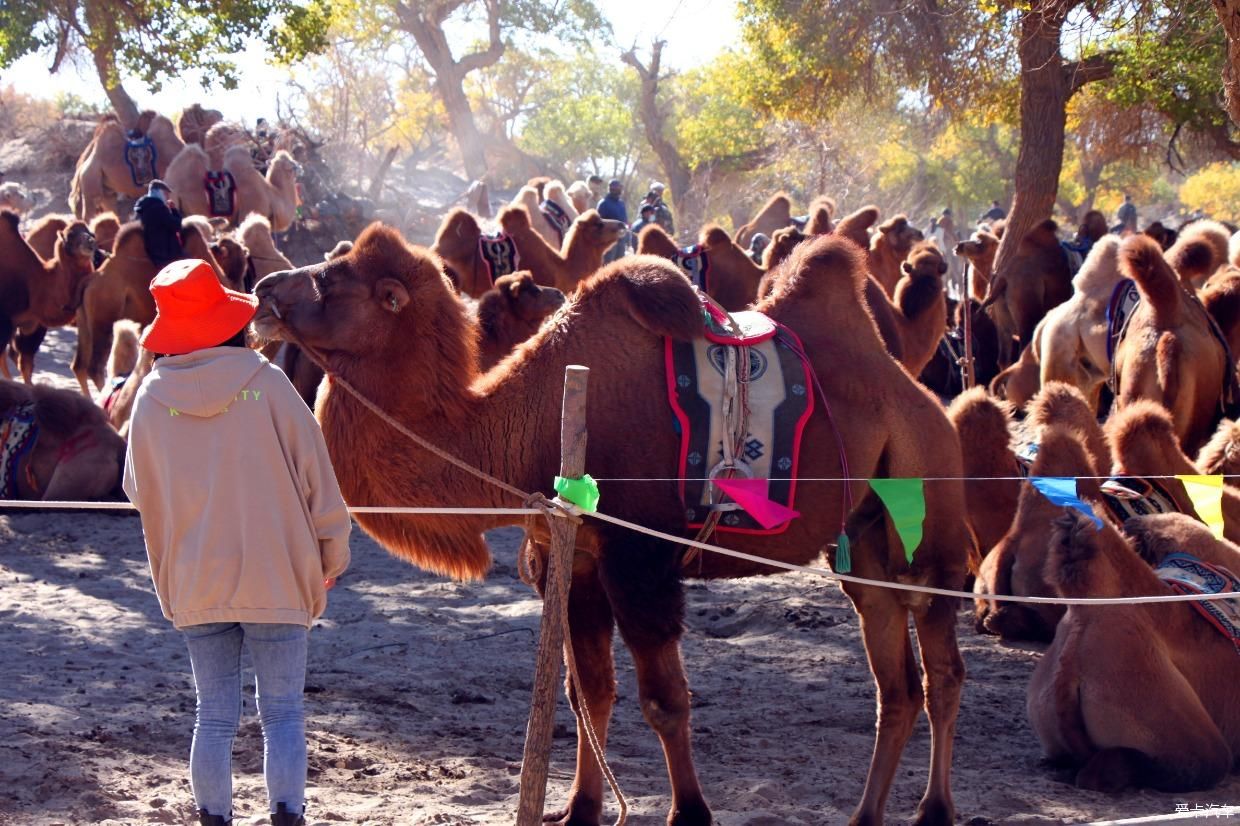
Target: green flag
column 581, row 492
column 906, row 503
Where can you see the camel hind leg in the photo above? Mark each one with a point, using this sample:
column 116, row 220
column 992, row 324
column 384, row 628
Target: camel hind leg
column 642, row 578
column 590, row 626
column 943, row 668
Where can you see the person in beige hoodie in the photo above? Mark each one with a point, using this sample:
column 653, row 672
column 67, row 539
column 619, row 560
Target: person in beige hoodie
column 244, row 523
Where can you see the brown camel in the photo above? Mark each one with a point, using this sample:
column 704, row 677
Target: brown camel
column 1038, row 279
column 1169, row 353
column 260, row 247
column 102, row 172
column 36, row 294
column 1070, row 343
column 231, row 257
column 105, row 226
column 1221, row 298
column 128, row 365
column 511, row 313
column 456, row 244
column 121, row 290
column 733, row 277
column 889, row 247
column 1199, row 252
column 75, row 455
column 273, row 197
column 193, row 122
column 775, row 214
column 1221, row 455
column 991, row 493
column 821, row 212
column 1136, row 695
column 855, row 226
column 416, row 360
column 1069, row 443
column 920, row 305
column 980, row 251
column 544, row 221
column 43, row 233
column 588, row 238
column 1163, row 234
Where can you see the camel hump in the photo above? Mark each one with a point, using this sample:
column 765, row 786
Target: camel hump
column 459, row 223
column 1200, row 250
column 1059, row 402
column 714, row 236
column 1101, row 266
column 856, row 226
column 980, row 419
column 1141, row 259
column 1062, row 452
column 653, row 291
column 819, row 220
column 1220, row 454
column 1139, row 424
column 827, row 272
column 515, row 218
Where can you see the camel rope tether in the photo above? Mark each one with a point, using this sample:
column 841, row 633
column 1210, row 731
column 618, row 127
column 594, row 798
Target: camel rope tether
column 549, row 508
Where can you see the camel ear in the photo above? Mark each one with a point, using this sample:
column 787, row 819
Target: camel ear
column 907, row 267
column 514, row 288
column 392, row 294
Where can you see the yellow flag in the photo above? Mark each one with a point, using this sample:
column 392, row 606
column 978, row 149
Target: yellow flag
column 1206, row 493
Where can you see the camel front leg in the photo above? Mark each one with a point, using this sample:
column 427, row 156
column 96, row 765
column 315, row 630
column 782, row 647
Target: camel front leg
column 643, row 583
column 944, row 677
column 27, row 345
column 590, row 627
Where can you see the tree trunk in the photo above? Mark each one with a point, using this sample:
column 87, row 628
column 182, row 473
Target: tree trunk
column 1229, row 14
column 469, row 140
column 376, row 182
column 1046, row 84
column 121, row 102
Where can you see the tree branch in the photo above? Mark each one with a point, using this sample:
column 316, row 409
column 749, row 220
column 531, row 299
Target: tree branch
column 494, row 50
column 1095, row 67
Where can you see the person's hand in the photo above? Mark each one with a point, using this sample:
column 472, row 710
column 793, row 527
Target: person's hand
column 329, row 583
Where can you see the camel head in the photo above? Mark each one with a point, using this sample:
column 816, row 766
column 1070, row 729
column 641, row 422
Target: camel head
column 525, row 299
column 77, row 241
column 282, row 173
column 233, row 260
column 594, row 233
column 924, row 261
column 369, row 305
column 105, row 226
column 579, row 194
column 654, row 240
column 980, row 250
column 899, row 235
column 13, row 196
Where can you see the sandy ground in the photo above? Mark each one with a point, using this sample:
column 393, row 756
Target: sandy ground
column 419, row 694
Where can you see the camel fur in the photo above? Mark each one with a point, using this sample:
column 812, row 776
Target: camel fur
column 77, row 455
column 587, row 240
column 1221, row 455
column 920, row 305
column 121, row 289
column 193, row 122
column 273, row 196
column 36, row 294
column 734, row 277
column 532, row 198
column 1179, row 731
column 101, row 173
column 983, row 424
column 980, row 251
column 1169, row 354
column 1038, row 279
column 260, row 247
column 774, row 215
column 510, row 313
column 1070, row 443
column 417, row 361
column 1199, row 252
column 579, row 194
column 456, row 244
column 15, row 197
column 889, row 247
column 1221, row 298
column 856, row 226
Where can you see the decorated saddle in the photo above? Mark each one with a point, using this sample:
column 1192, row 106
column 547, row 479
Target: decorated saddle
column 499, row 254
column 221, row 190
column 557, row 217
column 18, row 433
column 741, row 397
column 695, row 263
column 140, row 155
column 1127, row 496
column 1186, row 574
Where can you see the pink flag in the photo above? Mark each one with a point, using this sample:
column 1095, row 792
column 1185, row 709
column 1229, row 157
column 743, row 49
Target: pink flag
column 750, row 494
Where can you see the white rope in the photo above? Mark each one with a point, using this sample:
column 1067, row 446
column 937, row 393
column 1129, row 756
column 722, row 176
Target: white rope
column 1194, row 814
column 1168, row 476
column 826, row 573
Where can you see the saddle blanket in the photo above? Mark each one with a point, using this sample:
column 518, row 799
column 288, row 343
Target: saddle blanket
column 1186, row 574
column 695, row 263
column 557, row 217
column 18, row 433
column 775, row 386
column 1124, row 299
column 140, row 158
column 1128, row 496
column 221, row 193
column 499, row 254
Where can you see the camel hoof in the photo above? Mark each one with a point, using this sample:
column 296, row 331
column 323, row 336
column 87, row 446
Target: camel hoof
column 694, row 814
column 571, row 815
column 934, row 813
column 1111, row 771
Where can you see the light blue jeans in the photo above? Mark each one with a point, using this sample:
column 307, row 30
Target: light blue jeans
column 279, row 655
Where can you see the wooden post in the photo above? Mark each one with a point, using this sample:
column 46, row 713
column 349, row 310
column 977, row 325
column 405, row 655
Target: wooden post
column 967, row 323
column 537, row 757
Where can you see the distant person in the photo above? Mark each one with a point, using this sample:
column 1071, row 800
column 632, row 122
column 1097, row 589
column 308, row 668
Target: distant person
column 995, row 213
column 161, row 224
column 647, row 217
column 612, row 208
column 757, row 246
column 662, row 212
column 244, row 525
column 598, row 190
column 1126, row 215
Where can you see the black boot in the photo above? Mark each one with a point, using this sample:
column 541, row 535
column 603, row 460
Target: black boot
column 205, row 819
column 283, row 817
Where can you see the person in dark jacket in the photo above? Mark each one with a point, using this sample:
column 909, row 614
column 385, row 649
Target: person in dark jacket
column 161, row 224
column 612, row 208
column 662, row 212
column 995, row 213
column 640, row 224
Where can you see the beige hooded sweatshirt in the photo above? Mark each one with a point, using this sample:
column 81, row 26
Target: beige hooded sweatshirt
column 241, row 511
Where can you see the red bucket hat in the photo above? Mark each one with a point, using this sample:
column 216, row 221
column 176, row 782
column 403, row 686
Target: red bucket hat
column 194, row 310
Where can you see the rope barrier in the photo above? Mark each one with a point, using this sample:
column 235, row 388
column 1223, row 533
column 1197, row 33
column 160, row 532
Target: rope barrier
column 562, row 509
column 798, row 479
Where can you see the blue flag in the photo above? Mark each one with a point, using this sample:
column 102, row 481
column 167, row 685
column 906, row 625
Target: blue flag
column 1061, row 490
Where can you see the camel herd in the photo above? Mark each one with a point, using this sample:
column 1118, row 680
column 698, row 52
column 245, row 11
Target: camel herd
column 1117, row 369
